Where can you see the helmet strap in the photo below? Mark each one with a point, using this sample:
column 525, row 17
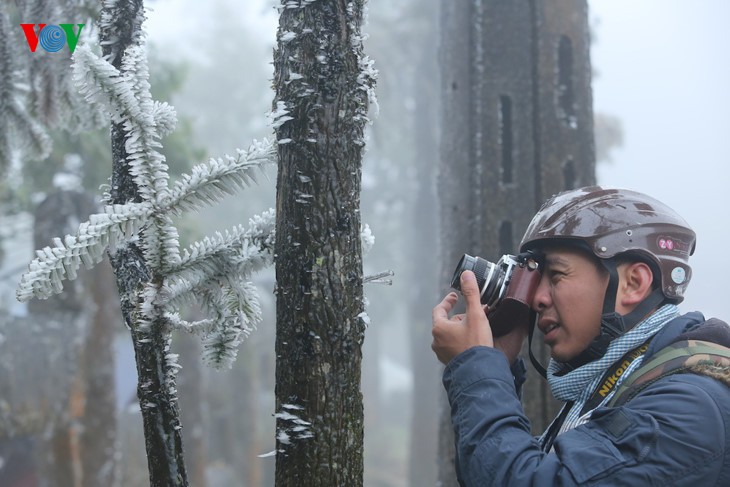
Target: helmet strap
column 613, row 325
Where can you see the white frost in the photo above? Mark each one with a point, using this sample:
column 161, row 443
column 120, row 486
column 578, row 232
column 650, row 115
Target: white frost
column 279, row 116
column 367, row 238
column 288, row 36
column 364, row 317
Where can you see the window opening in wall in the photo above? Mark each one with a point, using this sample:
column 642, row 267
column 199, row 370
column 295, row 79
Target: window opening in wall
column 505, row 136
column 565, row 89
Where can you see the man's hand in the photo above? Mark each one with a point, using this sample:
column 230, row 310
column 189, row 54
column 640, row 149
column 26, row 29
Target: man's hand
column 451, row 336
column 511, row 343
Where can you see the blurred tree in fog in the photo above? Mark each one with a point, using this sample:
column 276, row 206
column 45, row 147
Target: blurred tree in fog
column 399, row 199
column 35, row 92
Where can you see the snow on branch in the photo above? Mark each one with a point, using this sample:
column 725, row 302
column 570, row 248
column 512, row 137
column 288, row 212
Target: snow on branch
column 209, row 182
column 239, row 300
column 18, row 129
column 54, row 264
column 237, row 252
column 126, row 94
column 215, row 271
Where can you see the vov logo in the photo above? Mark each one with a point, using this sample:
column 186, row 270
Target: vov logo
column 52, row 38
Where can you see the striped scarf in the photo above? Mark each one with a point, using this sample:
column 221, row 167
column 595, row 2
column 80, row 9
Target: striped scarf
column 579, row 384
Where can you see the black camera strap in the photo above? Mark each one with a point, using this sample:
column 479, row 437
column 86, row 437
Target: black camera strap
column 612, row 375
column 535, row 362
column 551, row 433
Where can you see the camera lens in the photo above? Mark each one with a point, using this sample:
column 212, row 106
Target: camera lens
column 489, row 277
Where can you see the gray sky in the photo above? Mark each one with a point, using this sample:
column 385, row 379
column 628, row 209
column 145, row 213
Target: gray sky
column 662, row 69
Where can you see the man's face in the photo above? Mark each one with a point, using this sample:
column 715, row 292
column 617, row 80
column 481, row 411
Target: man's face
column 569, row 301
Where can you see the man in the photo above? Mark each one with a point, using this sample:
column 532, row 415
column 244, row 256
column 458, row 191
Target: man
column 614, row 268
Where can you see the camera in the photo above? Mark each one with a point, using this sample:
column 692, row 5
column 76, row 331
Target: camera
column 506, row 287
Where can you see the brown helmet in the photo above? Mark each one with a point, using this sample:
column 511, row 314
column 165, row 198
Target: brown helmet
column 610, row 222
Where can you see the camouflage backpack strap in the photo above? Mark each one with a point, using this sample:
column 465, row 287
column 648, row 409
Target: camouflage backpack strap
column 695, row 356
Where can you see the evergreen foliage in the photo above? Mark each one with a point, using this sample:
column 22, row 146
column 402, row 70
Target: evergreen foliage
column 35, row 93
column 213, row 271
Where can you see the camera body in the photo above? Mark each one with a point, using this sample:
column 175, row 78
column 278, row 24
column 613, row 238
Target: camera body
column 506, row 287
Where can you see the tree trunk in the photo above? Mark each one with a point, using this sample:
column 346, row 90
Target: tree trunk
column 320, row 325
column 160, row 413
column 99, row 432
column 84, row 434
column 192, row 389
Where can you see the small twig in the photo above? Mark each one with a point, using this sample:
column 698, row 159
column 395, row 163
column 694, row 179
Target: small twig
column 379, row 278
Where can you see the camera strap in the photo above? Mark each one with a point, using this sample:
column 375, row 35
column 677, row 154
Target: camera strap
column 605, row 386
column 612, row 375
column 531, row 331
column 548, row 438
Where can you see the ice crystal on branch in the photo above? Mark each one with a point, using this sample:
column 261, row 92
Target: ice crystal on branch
column 215, row 271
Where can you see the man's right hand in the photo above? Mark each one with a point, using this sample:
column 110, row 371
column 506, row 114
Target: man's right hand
column 451, row 336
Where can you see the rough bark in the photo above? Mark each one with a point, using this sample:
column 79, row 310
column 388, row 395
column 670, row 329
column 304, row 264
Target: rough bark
column 320, row 329
column 160, row 412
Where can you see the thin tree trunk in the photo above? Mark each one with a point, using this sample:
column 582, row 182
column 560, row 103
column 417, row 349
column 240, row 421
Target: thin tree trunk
column 192, row 388
column 160, row 413
column 99, row 432
column 68, row 465
column 320, row 328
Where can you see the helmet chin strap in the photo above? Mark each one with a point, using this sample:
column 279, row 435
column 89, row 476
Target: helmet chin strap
column 613, row 325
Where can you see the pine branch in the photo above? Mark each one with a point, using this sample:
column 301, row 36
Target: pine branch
column 238, row 312
column 144, row 139
column 18, row 128
column 161, row 243
column 100, row 82
column 209, row 182
column 237, row 253
column 54, row 264
column 165, row 118
column 200, row 327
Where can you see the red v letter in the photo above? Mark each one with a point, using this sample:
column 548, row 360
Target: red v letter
column 31, row 36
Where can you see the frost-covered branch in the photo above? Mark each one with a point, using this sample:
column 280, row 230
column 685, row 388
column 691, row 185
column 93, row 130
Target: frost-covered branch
column 214, row 271
column 239, row 301
column 19, row 130
column 238, row 252
column 54, row 264
column 208, row 183
column 126, row 94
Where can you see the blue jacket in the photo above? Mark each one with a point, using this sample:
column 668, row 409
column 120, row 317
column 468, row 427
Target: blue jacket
column 675, row 432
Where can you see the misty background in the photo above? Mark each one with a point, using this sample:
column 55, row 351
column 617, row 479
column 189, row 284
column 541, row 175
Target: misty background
column 659, row 73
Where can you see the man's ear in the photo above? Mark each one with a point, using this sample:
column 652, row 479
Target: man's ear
column 635, row 281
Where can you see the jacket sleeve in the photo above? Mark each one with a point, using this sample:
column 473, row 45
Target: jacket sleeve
column 675, row 429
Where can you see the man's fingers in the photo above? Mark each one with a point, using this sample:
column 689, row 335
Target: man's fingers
column 470, row 290
column 442, row 309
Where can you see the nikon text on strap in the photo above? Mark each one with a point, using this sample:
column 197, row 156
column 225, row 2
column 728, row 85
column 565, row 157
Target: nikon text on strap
column 612, row 375
column 676, row 358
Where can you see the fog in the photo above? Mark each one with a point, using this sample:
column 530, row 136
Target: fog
column 660, row 69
